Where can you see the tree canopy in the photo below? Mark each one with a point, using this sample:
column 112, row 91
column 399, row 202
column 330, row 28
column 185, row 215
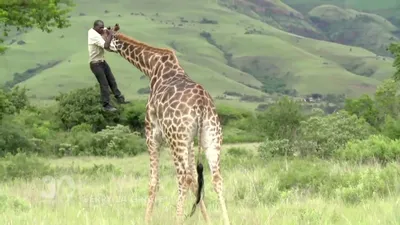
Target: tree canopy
column 19, row 15
column 394, row 48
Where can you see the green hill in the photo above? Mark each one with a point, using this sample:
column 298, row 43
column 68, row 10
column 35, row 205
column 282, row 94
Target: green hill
column 348, row 26
column 228, row 48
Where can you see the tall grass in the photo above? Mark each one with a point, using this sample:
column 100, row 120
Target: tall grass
column 280, row 191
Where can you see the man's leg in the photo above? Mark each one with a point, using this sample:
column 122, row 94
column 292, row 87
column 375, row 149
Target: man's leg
column 98, row 71
column 113, row 84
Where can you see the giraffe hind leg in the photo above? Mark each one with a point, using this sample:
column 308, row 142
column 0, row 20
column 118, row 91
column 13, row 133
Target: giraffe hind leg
column 213, row 151
column 184, row 176
column 153, row 142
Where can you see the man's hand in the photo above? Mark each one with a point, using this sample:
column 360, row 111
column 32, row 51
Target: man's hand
column 109, row 34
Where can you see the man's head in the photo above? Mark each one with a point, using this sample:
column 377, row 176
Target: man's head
column 98, row 26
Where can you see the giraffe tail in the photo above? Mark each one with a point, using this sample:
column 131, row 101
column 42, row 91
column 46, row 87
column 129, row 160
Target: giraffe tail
column 199, row 167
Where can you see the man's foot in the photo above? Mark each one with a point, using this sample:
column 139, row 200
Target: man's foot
column 109, row 108
column 121, row 100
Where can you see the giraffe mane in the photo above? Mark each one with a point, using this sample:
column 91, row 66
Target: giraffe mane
column 130, row 40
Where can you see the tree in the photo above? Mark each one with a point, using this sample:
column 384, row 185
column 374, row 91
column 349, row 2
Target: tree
column 394, row 48
column 387, row 99
column 364, row 107
column 386, row 103
column 20, row 15
column 281, row 119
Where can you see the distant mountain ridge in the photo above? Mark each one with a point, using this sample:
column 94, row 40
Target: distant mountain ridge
column 324, row 22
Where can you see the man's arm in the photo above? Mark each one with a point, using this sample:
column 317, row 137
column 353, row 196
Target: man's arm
column 107, row 42
column 99, row 41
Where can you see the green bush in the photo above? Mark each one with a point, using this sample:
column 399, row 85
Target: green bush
column 284, row 147
column 318, row 136
column 363, row 107
column 335, row 181
column 240, row 157
column 384, row 105
column 134, row 115
column 14, row 139
column 112, row 141
column 22, row 166
column 83, row 106
column 228, row 114
column 12, row 101
column 375, row 148
column 391, row 128
column 272, row 148
column 333, row 131
column 233, row 134
column 38, row 122
column 238, row 125
column 363, row 184
column 13, row 203
column 307, row 175
column 281, row 120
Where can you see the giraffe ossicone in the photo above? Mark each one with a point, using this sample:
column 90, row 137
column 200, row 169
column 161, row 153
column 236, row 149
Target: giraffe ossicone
column 177, row 110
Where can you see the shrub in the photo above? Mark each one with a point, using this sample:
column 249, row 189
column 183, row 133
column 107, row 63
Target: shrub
column 14, row 139
column 304, row 174
column 134, row 116
column 363, row 107
column 240, row 157
column 271, row 148
column 391, row 128
column 112, row 141
column 18, row 98
column 233, row 134
column 284, row 147
column 83, row 106
column 13, row 203
column 38, row 122
column 363, row 184
column 12, row 101
column 229, row 114
column 320, row 177
column 318, row 136
column 280, row 120
column 6, row 106
column 375, row 148
column 22, row 166
column 333, row 131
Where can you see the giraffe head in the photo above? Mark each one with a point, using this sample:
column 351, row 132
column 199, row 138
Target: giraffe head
column 112, row 31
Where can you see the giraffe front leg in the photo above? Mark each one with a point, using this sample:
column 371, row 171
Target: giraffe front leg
column 153, row 141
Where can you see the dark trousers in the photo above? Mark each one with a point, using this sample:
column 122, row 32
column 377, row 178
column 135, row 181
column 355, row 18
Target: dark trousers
column 106, row 79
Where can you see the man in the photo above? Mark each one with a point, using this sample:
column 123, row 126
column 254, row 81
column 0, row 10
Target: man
column 99, row 66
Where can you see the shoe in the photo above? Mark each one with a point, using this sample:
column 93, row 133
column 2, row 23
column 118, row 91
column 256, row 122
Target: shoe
column 121, row 100
column 109, row 108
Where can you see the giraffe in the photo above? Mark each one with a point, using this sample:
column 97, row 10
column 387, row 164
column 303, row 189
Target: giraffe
column 177, row 110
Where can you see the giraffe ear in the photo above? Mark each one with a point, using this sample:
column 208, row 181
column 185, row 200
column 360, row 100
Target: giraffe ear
column 116, row 27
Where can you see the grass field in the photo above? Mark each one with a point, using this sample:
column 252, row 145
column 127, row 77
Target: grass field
column 305, row 64
column 114, row 191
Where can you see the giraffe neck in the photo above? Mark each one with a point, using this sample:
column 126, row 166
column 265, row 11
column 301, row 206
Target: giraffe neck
column 155, row 63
